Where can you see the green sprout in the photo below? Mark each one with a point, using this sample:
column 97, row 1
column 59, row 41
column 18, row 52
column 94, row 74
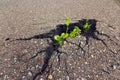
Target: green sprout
column 76, row 31
column 67, row 23
column 87, row 25
column 61, row 38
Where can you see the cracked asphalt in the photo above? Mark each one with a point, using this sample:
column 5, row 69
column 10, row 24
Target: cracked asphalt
column 22, row 19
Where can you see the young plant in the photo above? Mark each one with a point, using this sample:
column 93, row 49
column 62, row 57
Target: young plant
column 61, row 38
column 67, row 24
column 86, row 26
column 76, row 31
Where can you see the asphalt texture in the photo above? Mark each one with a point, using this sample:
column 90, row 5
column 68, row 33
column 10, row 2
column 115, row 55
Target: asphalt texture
column 24, row 19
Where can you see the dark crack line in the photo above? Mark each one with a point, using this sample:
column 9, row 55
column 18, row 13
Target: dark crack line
column 79, row 47
column 49, row 52
column 59, row 55
column 37, row 54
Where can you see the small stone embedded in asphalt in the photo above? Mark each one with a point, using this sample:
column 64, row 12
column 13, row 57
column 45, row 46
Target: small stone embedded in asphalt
column 104, row 50
column 82, row 52
column 114, row 67
column 5, row 59
column 82, row 43
column 92, row 56
column 14, row 71
column 59, row 79
column 23, row 77
column 25, row 51
column 37, row 66
column 41, row 42
column 70, row 64
column 35, row 42
column 32, row 68
column 41, row 79
column 15, row 59
column 67, row 78
column 83, row 78
column 50, row 77
column 1, row 73
column 86, row 62
column 77, row 79
column 74, row 74
column 29, row 73
column 6, row 77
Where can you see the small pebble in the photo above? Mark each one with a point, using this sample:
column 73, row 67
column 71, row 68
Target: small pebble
column 35, row 42
column 83, row 78
column 67, row 78
column 92, row 56
column 30, row 73
column 41, row 42
column 50, row 77
column 23, row 77
column 6, row 77
column 37, row 66
column 77, row 79
column 25, row 51
column 1, row 73
column 15, row 59
column 5, row 59
column 41, row 79
column 114, row 67
column 86, row 62
column 82, row 43
column 59, row 79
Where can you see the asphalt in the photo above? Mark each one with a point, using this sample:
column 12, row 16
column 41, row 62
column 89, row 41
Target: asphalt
column 30, row 17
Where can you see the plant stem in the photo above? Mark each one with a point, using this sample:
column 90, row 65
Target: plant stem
column 67, row 30
column 87, row 20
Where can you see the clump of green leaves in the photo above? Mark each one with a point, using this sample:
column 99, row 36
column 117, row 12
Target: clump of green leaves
column 61, row 38
column 76, row 31
column 86, row 26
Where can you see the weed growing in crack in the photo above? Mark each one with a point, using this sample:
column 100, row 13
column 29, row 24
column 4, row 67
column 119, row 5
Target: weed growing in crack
column 86, row 26
column 76, row 31
column 61, row 38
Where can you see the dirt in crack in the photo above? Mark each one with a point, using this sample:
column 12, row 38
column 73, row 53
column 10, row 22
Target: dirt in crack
column 53, row 48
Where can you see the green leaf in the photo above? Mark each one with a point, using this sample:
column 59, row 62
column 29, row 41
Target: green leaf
column 72, row 34
column 61, row 42
column 57, row 37
column 64, row 35
column 77, row 30
column 74, row 30
column 87, row 26
column 68, row 21
column 87, row 20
